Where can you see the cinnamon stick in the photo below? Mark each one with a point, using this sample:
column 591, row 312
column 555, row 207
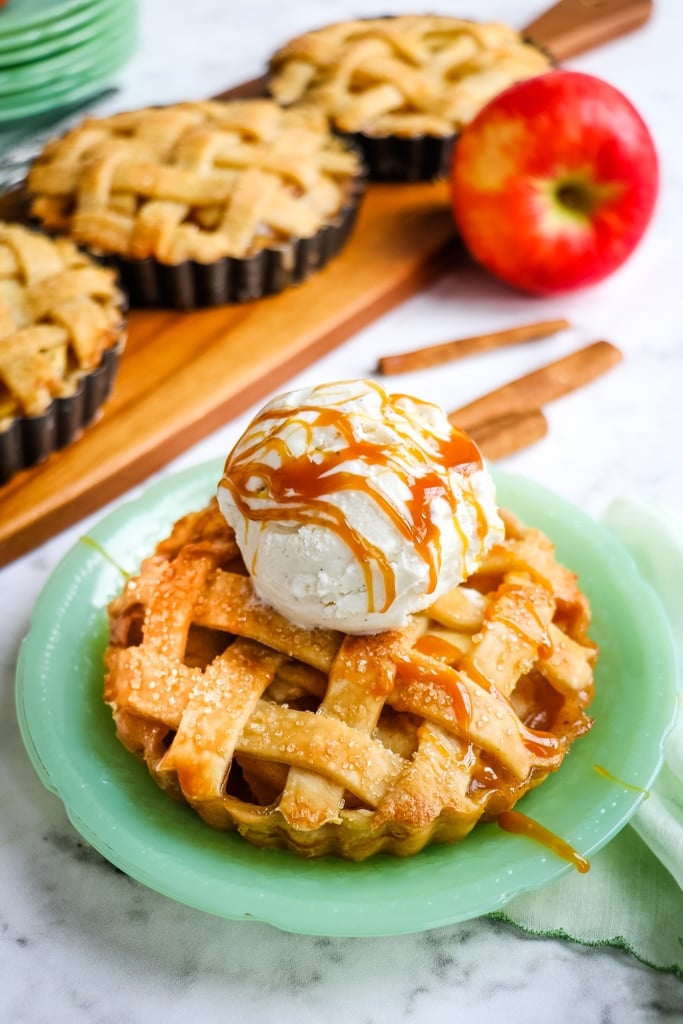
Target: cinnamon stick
column 535, row 389
column 505, row 435
column 447, row 351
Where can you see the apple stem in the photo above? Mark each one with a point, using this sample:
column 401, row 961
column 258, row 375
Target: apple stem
column 574, row 195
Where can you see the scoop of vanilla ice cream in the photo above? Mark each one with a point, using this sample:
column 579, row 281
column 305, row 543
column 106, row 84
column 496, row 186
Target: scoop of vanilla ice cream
column 353, row 508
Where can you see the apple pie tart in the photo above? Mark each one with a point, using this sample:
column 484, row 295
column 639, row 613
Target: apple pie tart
column 403, row 86
column 62, row 330
column 202, row 203
column 326, row 743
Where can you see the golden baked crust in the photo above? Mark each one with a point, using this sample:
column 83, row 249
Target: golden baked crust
column 409, row 75
column 193, row 181
column 333, row 744
column 59, row 312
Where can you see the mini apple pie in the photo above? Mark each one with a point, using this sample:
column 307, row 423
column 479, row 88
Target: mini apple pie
column 62, row 330
column 403, row 86
column 326, row 743
column 202, row 203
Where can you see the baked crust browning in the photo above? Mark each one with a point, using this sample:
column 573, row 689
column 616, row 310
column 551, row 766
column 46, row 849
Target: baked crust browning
column 194, row 181
column 409, row 75
column 331, row 744
column 59, row 313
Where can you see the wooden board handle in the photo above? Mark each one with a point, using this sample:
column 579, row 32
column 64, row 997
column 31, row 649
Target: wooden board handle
column 255, row 88
column 574, row 26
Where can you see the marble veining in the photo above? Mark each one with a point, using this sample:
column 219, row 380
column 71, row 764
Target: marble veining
column 80, row 942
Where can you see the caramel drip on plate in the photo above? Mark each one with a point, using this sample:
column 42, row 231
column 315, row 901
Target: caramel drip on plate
column 620, row 782
column 90, row 542
column 515, row 821
column 298, row 487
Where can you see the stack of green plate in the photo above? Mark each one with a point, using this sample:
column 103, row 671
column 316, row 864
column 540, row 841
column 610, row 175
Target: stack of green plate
column 55, row 53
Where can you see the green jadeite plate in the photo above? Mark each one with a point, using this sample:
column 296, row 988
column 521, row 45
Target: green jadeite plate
column 71, row 88
column 23, row 22
column 46, row 46
column 74, row 57
column 114, row 804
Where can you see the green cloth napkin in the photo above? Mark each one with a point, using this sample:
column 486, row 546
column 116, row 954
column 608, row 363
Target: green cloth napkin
column 633, row 895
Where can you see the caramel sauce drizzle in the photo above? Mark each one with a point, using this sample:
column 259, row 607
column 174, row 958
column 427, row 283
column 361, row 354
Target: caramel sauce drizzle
column 90, row 542
column 444, row 677
column 620, row 782
column 515, row 821
column 479, row 678
column 437, row 647
column 542, row 744
column 298, row 487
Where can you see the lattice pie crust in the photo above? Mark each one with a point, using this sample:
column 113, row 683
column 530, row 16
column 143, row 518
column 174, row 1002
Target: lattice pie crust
column 193, row 181
column 59, row 312
column 333, row 744
column 409, row 75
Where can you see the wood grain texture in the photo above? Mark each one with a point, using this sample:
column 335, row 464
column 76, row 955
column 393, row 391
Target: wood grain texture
column 571, row 27
column 183, row 375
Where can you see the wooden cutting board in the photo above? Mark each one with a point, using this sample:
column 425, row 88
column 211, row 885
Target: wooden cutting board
column 185, row 374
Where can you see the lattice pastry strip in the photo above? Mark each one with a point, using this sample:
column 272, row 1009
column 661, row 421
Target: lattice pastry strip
column 513, row 634
column 452, row 700
column 329, row 747
column 347, row 745
column 360, row 680
column 219, row 706
column 169, row 614
column 228, row 603
column 529, row 550
column 567, row 666
column 435, row 781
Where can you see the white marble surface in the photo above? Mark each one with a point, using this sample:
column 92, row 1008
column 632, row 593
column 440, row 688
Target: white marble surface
column 79, row 941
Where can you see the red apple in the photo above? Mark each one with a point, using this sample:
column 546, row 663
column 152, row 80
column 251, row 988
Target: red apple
column 554, row 182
